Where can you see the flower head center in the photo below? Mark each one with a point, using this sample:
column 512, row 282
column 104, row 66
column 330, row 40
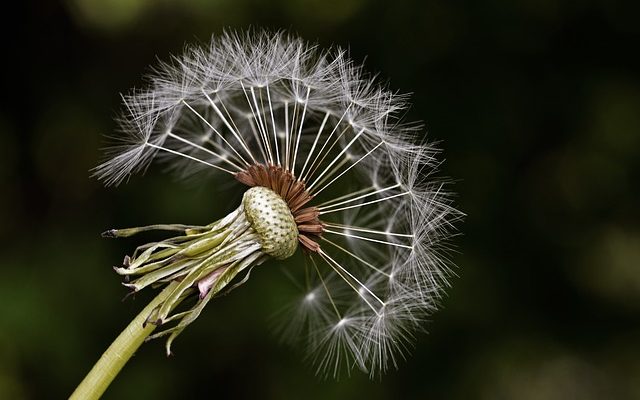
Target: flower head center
column 294, row 194
column 271, row 218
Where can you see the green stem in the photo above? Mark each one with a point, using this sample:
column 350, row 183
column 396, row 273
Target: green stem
column 120, row 351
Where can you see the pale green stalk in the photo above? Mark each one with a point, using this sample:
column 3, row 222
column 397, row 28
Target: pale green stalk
column 120, row 351
column 205, row 259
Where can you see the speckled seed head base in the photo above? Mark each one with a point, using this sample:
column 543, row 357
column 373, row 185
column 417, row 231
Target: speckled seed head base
column 271, row 218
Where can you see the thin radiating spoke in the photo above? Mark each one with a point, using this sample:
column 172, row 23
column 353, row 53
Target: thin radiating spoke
column 344, row 150
column 226, row 154
column 367, row 230
column 292, row 132
column 339, row 166
column 315, row 142
column 347, row 170
column 261, row 124
column 214, row 129
column 332, row 203
column 243, row 142
column 326, row 204
column 273, row 123
column 235, row 131
column 326, row 289
column 363, row 204
column 363, row 286
column 365, row 262
column 286, row 135
column 304, row 112
column 189, row 157
column 348, row 282
column 222, row 158
column 258, row 136
column 313, row 166
column 326, row 153
column 368, row 239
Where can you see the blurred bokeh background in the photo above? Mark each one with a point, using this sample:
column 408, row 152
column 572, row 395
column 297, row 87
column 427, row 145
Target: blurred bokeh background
column 536, row 105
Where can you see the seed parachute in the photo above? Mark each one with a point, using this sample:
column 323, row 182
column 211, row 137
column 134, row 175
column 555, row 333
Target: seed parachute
column 329, row 172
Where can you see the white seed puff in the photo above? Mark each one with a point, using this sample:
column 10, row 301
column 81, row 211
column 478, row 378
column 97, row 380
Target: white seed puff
column 362, row 197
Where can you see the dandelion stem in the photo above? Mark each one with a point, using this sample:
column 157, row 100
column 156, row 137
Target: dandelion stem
column 120, row 351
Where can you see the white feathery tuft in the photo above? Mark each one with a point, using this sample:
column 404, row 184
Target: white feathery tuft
column 273, row 99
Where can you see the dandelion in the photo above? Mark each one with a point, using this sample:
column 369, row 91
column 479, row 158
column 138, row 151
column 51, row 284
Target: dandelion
column 327, row 171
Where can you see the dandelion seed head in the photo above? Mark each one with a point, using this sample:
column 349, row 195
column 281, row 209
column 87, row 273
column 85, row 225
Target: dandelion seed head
column 368, row 211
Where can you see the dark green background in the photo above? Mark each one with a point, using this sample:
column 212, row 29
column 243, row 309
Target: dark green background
column 536, row 104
